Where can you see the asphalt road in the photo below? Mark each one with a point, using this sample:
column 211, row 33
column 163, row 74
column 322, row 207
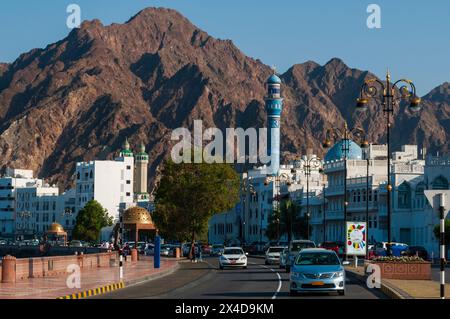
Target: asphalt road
column 205, row 281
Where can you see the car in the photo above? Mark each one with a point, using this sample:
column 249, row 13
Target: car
column 273, row 255
column 417, row 251
column 330, row 245
column 269, row 244
column 294, row 248
column 283, row 257
column 233, row 257
column 317, row 270
column 396, row 249
column 149, row 250
column 206, row 249
column 217, row 250
column 76, row 243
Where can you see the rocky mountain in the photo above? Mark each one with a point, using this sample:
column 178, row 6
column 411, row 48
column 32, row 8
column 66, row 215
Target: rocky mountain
column 78, row 99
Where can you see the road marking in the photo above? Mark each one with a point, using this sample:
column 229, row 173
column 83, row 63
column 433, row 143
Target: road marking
column 280, row 283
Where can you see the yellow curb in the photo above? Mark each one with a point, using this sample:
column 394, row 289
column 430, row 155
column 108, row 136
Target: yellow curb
column 95, row 291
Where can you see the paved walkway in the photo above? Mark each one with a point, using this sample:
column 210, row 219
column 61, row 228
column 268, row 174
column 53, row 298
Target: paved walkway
column 54, row 287
column 417, row 289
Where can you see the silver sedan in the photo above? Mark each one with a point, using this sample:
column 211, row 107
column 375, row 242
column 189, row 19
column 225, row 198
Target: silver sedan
column 317, row 270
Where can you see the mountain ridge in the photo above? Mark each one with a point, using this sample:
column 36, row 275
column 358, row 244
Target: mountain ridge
column 79, row 98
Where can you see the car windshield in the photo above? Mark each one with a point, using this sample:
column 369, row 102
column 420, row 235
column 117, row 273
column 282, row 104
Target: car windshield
column 217, row 246
column 315, row 258
column 300, row 246
column 233, row 252
column 276, row 249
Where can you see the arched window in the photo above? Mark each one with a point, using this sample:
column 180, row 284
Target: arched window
column 440, row 182
column 78, row 175
column 404, row 196
column 420, row 195
column 91, row 174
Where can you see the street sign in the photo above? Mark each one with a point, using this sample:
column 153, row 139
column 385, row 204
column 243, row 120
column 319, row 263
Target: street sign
column 434, row 198
column 356, row 241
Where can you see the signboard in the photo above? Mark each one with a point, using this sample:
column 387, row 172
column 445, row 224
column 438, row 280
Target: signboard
column 434, row 198
column 356, row 242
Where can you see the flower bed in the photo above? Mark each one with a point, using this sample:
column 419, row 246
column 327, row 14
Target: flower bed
column 409, row 268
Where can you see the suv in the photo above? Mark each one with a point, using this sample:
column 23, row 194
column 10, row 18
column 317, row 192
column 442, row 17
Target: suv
column 294, row 248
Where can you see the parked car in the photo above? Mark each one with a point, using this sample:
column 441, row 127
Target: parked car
column 395, row 249
column 294, row 248
column 167, row 250
column 273, row 255
column 418, row 251
column 252, row 248
column 149, row 250
column 283, row 257
column 217, row 250
column 330, row 245
column 317, row 270
column 206, row 249
column 76, row 243
column 233, row 257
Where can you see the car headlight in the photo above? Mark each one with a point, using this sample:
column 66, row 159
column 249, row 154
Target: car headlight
column 338, row 274
column 296, row 275
column 223, row 258
column 243, row 258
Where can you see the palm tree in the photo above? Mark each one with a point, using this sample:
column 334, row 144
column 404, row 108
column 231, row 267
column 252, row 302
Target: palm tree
column 286, row 220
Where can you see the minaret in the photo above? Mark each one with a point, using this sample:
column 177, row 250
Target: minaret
column 140, row 174
column 274, row 107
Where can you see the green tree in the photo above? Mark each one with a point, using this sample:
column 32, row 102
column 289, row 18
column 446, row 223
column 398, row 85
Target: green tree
column 189, row 194
column 90, row 220
column 286, row 220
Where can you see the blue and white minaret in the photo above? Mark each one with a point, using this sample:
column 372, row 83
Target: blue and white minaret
column 274, row 107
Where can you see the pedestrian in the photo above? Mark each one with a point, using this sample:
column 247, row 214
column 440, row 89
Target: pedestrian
column 200, row 257
column 193, row 260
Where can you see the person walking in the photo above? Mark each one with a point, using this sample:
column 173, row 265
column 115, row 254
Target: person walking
column 193, row 254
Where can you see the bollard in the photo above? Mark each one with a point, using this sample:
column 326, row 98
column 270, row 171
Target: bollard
column 157, row 254
column 121, row 267
column 134, row 255
column 9, row 269
column 177, row 253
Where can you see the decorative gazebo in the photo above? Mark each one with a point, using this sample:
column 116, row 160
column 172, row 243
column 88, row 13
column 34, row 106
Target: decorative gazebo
column 56, row 232
column 137, row 219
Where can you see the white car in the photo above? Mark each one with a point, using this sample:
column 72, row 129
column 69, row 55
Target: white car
column 233, row 257
column 273, row 255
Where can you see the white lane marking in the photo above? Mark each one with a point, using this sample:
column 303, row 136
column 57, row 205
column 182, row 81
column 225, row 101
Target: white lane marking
column 280, row 283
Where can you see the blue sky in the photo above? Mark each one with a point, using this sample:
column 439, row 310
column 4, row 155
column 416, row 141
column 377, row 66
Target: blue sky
column 414, row 39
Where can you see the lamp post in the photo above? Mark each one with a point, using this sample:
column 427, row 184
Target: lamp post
column 278, row 179
column 308, row 164
column 247, row 187
column 324, row 216
column 345, row 134
column 390, row 97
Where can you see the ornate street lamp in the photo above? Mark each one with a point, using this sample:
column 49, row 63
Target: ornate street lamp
column 247, row 187
column 389, row 96
column 308, row 165
column 344, row 135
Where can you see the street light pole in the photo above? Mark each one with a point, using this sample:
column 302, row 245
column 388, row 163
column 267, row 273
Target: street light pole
column 367, row 206
column 389, row 100
column 324, row 217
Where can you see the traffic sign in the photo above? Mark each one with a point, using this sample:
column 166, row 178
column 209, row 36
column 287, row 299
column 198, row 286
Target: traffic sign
column 434, row 198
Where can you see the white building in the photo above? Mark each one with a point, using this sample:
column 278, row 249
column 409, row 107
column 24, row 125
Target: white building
column 38, row 206
column 13, row 180
column 249, row 220
column 108, row 182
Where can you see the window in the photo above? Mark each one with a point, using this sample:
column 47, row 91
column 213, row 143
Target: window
column 78, row 175
column 440, row 182
column 128, row 194
column 128, row 167
column 128, row 182
column 404, row 196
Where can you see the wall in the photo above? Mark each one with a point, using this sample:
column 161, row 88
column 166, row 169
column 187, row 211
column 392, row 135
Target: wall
column 53, row 266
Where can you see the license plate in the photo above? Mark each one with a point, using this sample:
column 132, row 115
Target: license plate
column 233, row 261
column 317, row 283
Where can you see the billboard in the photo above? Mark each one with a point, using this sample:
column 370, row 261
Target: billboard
column 356, row 242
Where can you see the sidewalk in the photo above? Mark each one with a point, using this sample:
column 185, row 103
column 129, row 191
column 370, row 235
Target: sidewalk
column 406, row 289
column 54, row 287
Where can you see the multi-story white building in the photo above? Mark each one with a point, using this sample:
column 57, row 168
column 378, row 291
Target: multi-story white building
column 38, row 206
column 13, row 180
column 249, row 220
column 108, row 182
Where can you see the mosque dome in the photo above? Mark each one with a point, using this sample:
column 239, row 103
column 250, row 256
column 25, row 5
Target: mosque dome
column 336, row 153
column 274, row 79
